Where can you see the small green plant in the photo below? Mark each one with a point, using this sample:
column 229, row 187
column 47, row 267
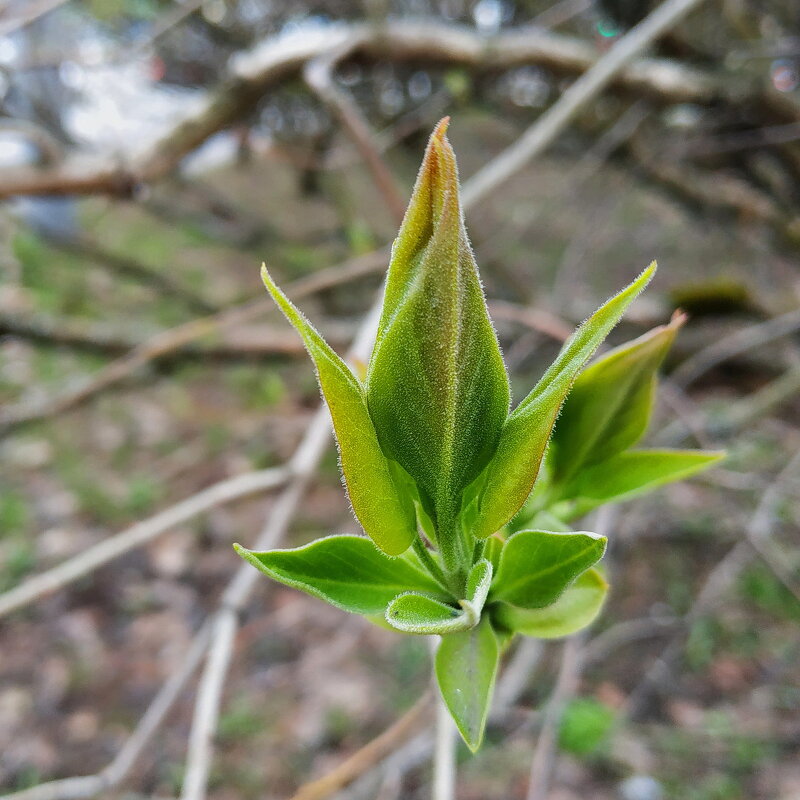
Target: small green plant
column 466, row 543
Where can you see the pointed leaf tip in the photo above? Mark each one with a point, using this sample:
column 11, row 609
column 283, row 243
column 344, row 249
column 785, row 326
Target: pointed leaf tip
column 440, row 131
column 383, row 509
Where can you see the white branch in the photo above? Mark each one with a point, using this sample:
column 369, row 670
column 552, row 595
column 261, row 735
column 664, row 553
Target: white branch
column 139, row 534
column 586, row 88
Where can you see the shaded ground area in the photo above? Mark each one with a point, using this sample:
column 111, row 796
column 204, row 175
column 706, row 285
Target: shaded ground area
column 311, row 684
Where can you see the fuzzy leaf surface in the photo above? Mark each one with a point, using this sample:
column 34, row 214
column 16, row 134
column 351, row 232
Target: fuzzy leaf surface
column 419, row 613
column 608, row 408
column 574, row 610
column 512, row 471
column 536, row 567
column 383, row 509
column 466, row 668
column 437, row 388
column 479, row 581
column 632, row 473
column 348, row 572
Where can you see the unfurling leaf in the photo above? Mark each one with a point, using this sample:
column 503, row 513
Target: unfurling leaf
column 632, row 473
column 413, row 612
column 466, row 667
column 574, row 610
column 478, row 583
column 348, row 572
column 537, row 566
column 436, row 386
column 511, row 473
column 608, row 408
column 383, row 509
column 419, row 613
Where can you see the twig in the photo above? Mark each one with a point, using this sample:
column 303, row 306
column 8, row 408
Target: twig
column 235, row 596
column 122, row 764
column 162, row 345
column 566, row 686
column 318, row 75
column 111, row 339
column 444, row 754
column 734, row 345
column 280, row 58
column 536, row 319
column 33, row 12
column 71, row 570
column 587, row 87
column 716, row 584
column 367, row 756
column 84, row 247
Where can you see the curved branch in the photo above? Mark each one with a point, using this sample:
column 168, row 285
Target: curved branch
column 253, row 73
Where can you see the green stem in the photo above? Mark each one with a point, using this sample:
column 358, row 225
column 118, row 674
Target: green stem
column 454, row 555
column 477, row 550
column 430, row 564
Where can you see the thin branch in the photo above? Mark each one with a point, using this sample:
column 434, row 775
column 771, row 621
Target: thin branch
column 111, row 339
column 119, row 769
column 546, row 745
column 370, row 754
column 143, row 532
column 236, row 595
column 277, row 59
column 166, row 343
column 536, row 319
column 444, row 755
column 735, row 344
column 161, row 282
column 718, row 582
column 586, row 88
column 319, row 75
column 31, row 13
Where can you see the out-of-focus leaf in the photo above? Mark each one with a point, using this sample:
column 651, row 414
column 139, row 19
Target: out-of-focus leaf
column 574, row 610
column 631, row 473
column 348, row 572
column 608, row 408
column 466, row 667
column 384, row 510
column 437, row 388
column 515, row 465
column 537, row 566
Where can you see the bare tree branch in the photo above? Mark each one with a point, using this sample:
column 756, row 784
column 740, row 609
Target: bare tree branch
column 119, row 769
column 89, row 560
column 271, row 62
column 370, row 754
column 734, row 345
column 588, row 86
column 319, row 76
column 166, row 343
column 718, row 581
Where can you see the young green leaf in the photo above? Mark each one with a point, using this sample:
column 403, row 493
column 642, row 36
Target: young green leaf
column 382, row 508
column 418, row 613
column 537, row 566
column 466, row 667
column 515, row 465
column 479, row 581
column 348, row 572
column 634, row 472
column 437, row 388
column 574, row 610
column 608, row 408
